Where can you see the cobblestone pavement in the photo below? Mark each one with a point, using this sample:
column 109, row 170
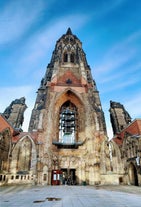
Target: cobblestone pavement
column 70, row 196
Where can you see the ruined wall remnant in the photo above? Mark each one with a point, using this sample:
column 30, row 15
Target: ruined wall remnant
column 14, row 113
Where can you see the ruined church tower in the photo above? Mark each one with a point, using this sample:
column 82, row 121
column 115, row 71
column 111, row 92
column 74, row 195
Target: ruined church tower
column 119, row 117
column 69, row 119
column 14, row 113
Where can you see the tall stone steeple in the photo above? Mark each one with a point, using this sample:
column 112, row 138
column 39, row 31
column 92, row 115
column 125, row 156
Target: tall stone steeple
column 68, row 115
column 69, row 68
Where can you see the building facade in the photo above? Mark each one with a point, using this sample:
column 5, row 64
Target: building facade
column 125, row 145
column 67, row 141
column 5, row 143
column 69, row 119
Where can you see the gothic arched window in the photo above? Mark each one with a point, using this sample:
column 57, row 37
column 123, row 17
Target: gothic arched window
column 65, row 57
column 24, row 155
column 72, row 57
column 68, row 123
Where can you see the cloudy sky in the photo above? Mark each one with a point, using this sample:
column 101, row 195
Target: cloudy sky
column 110, row 31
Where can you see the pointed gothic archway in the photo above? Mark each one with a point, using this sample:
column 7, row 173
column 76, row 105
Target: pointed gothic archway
column 132, row 173
column 70, row 112
column 24, row 156
column 68, row 123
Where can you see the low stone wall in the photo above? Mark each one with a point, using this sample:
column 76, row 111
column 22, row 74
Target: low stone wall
column 110, row 179
column 6, row 179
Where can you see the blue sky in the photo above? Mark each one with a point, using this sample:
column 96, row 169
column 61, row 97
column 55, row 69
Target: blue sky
column 110, row 31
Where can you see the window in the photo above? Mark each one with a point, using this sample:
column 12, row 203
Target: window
column 68, row 123
column 65, row 57
column 45, row 177
column 12, row 177
column 121, row 127
column 72, row 58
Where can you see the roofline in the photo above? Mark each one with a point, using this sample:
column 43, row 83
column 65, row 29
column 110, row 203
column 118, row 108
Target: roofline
column 127, row 126
column 14, row 130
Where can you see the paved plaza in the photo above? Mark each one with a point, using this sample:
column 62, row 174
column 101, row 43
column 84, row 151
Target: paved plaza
column 70, row 196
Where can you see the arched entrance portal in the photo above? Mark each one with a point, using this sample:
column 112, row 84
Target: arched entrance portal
column 68, row 176
column 133, row 177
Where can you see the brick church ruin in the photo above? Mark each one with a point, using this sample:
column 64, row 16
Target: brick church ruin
column 67, row 142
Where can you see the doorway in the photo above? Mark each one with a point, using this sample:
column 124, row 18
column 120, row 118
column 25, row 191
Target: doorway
column 133, row 177
column 68, row 176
